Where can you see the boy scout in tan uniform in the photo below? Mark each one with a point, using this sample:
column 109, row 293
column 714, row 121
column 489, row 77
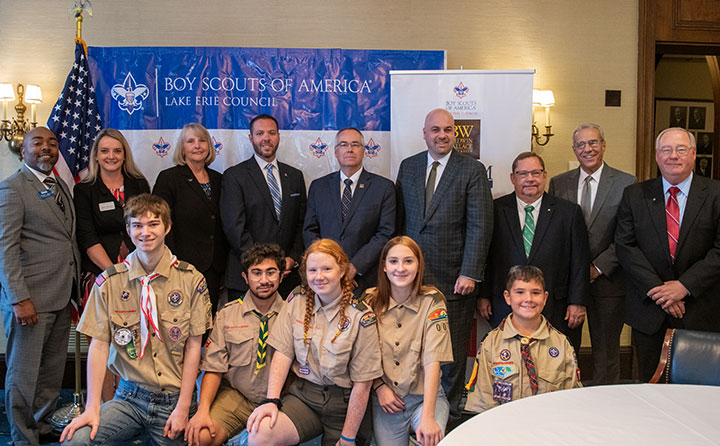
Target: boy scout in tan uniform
column 335, row 358
column 503, row 372
column 236, row 359
column 412, row 335
column 156, row 368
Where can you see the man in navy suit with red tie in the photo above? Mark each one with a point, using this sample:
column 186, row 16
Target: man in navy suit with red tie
column 668, row 242
column 354, row 207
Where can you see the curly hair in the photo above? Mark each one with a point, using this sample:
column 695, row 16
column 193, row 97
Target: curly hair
column 331, row 248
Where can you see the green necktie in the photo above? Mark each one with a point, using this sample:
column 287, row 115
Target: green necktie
column 528, row 230
column 262, row 339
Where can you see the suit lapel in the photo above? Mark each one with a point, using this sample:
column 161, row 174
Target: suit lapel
column 606, row 181
column 655, row 202
column 195, row 185
column 69, row 207
column 510, row 212
column 571, row 185
column 286, row 191
column 332, row 188
column 259, row 179
column 447, row 178
column 360, row 189
column 50, row 200
column 695, row 200
column 547, row 209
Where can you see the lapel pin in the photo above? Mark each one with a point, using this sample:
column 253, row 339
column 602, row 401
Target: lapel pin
column 361, row 185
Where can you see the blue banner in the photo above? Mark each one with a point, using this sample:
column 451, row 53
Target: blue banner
column 153, row 88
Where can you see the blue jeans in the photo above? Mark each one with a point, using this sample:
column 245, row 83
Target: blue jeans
column 393, row 428
column 133, row 411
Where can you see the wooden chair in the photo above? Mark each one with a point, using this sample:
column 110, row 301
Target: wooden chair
column 689, row 357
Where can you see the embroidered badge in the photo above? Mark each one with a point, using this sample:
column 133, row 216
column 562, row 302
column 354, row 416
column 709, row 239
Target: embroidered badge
column 438, row 315
column 505, row 371
column 175, row 333
column 554, row 352
column 345, row 326
column 368, row 319
column 304, row 371
column 100, row 280
column 202, row 286
column 505, row 354
column 131, row 351
column 124, row 295
column 123, row 336
column 176, row 353
column 175, row 298
column 502, row 391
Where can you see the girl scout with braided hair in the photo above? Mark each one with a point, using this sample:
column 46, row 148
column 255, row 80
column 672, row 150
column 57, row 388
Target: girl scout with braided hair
column 330, row 341
column 415, row 341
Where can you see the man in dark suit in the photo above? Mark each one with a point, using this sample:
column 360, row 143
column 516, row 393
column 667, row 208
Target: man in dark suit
column 39, row 271
column 535, row 228
column 668, row 243
column 446, row 207
column 263, row 200
column 598, row 189
column 354, row 207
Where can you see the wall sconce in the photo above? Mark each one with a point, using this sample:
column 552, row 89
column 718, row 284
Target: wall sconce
column 14, row 131
column 542, row 98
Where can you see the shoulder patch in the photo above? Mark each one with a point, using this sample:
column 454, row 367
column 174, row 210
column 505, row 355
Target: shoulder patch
column 299, row 290
column 368, row 319
column 438, row 315
column 202, row 286
column 181, row 264
column 359, row 305
column 100, row 280
column 115, row 269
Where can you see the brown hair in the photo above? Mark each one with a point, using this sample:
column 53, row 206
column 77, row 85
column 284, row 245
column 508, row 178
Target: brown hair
column 331, row 248
column 525, row 273
column 525, row 155
column 129, row 167
column 142, row 204
column 197, row 130
column 379, row 300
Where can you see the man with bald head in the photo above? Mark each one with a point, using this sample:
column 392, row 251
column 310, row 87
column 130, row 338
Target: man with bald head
column 668, row 242
column 39, row 269
column 445, row 205
column 354, row 207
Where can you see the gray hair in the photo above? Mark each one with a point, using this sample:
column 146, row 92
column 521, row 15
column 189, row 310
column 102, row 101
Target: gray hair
column 588, row 125
column 362, row 137
column 689, row 134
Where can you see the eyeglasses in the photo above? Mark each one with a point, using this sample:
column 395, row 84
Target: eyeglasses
column 594, row 143
column 533, row 173
column 667, row 150
column 271, row 274
column 345, row 145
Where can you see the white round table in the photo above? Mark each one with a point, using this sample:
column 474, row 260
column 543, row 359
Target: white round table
column 634, row 414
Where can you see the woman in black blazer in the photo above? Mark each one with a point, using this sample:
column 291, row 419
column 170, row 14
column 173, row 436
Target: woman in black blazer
column 193, row 192
column 112, row 178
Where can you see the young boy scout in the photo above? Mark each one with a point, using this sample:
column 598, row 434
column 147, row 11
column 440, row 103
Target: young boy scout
column 237, row 358
column 524, row 355
column 146, row 317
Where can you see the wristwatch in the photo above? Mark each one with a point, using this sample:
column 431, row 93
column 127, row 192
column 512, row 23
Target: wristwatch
column 275, row 401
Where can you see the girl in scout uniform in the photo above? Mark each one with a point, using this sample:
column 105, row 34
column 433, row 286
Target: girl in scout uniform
column 415, row 341
column 331, row 344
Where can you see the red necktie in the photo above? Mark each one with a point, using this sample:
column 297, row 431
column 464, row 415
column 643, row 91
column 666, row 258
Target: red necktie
column 672, row 218
column 529, row 363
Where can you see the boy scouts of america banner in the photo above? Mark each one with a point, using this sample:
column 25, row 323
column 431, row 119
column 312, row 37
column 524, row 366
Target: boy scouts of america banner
column 150, row 93
column 492, row 111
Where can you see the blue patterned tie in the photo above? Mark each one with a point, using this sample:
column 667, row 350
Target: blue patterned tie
column 274, row 190
column 346, row 198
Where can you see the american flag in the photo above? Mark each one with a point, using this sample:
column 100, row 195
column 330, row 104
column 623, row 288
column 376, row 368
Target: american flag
column 75, row 119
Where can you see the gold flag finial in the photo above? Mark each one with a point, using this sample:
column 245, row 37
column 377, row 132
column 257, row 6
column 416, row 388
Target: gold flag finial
column 77, row 10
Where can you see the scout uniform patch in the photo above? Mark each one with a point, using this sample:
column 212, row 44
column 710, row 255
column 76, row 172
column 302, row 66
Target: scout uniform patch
column 202, row 286
column 502, row 391
column 505, row 354
column 175, row 333
column 175, row 297
column 124, row 295
column 438, row 315
column 504, row 371
column 123, row 337
column 554, row 352
column 368, row 319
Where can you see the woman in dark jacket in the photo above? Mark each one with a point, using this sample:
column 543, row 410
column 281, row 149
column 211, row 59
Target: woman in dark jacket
column 192, row 190
column 112, row 178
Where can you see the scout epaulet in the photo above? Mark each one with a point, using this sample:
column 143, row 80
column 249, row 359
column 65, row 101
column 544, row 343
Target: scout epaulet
column 437, row 296
column 299, row 290
column 239, row 300
column 109, row 272
column 359, row 304
column 181, row 264
column 501, row 325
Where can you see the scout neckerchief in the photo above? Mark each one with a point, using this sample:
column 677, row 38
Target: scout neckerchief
column 148, row 308
column 262, row 339
column 529, row 363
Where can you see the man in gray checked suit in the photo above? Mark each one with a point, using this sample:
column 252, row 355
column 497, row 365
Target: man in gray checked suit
column 598, row 189
column 445, row 205
column 39, row 270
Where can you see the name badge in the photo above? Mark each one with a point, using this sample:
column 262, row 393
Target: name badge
column 107, row 206
column 43, row 194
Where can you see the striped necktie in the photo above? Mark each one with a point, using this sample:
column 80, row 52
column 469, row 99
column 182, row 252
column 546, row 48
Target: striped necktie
column 274, row 190
column 346, row 198
column 672, row 218
column 528, row 230
column 53, row 186
column 529, row 363
column 262, row 339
